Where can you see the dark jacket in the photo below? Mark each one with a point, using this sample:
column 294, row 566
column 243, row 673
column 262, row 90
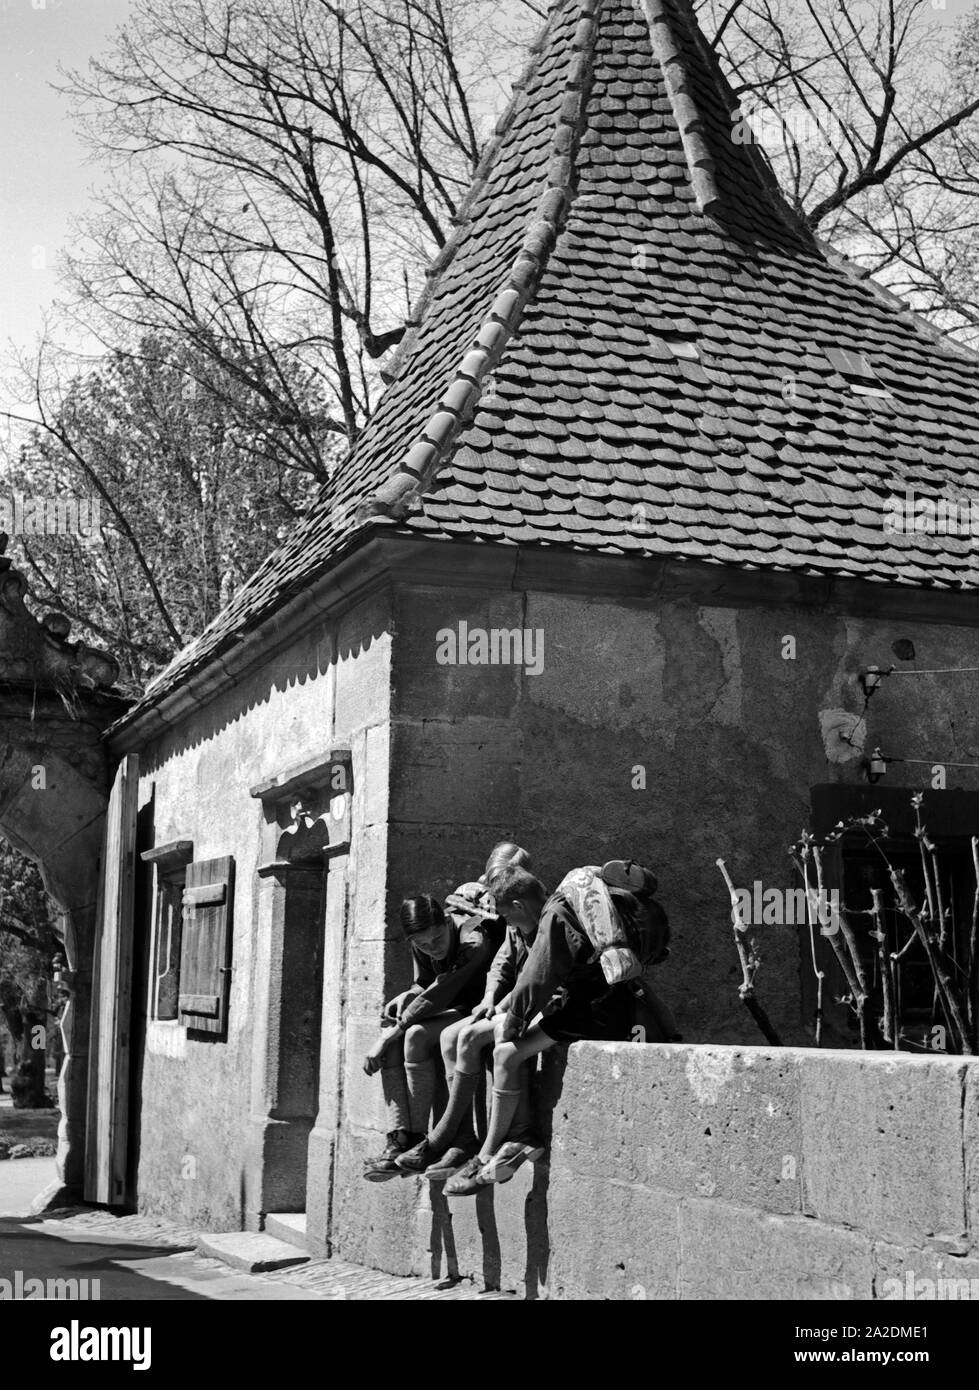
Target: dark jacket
column 508, row 962
column 560, row 958
column 458, row 980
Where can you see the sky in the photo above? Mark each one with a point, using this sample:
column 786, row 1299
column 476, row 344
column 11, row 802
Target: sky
column 44, row 180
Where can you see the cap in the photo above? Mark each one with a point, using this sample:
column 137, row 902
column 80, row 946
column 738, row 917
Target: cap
column 628, row 875
column 469, row 898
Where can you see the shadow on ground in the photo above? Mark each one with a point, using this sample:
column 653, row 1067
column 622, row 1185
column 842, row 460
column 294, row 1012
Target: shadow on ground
column 40, row 1255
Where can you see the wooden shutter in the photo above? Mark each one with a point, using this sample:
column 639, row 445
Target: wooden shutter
column 106, row 1146
column 205, row 948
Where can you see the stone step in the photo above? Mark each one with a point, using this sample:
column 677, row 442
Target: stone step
column 289, row 1226
column 250, row 1252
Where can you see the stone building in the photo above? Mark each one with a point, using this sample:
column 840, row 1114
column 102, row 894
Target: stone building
column 600, row 575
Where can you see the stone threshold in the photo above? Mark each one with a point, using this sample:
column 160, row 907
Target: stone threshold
column 250, row 1251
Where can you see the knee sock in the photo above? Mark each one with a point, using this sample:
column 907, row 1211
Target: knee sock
column 473, row 1122
column 523, row 1120
column 460, row 1102
column 501, row 1117
column 395, row 1087
column 421, row 1090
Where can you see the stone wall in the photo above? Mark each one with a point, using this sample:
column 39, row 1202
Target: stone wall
column 729, row 737
column 447, row 759
column 696, row 1172
column 54, row 788
column 757, row 1173
column 200, row 1099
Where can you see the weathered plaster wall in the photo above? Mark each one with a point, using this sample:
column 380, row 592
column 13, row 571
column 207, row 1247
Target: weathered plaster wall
column 726, row 731
column 332, row 687
column 447, row 759
column 729, row 735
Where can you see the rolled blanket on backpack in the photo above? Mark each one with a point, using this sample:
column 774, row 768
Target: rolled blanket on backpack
column 588, row 897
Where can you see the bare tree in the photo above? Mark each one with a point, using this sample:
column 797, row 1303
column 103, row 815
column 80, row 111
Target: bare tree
column 869, row 113
column 284, row 173
column 283, row 170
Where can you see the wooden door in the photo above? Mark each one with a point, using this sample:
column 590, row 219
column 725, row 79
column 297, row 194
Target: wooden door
column 106, row 1144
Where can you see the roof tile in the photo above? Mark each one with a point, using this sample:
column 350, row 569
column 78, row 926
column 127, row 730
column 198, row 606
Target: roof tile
column 758, row 454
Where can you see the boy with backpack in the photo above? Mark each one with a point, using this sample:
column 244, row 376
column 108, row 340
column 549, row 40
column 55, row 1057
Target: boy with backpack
column 596, row 936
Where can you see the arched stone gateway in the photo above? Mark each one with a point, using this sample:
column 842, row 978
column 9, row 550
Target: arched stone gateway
column 56, row 699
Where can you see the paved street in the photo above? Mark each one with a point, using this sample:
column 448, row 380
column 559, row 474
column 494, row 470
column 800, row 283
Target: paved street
column 21, row 1181
column 142, row 1258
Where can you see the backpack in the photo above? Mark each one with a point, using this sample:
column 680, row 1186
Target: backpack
column 589, row 899
column 627, row 949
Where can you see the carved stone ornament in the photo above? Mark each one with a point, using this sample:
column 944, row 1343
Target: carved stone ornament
column 38, row 650
column 304, row 838
column 307, row 810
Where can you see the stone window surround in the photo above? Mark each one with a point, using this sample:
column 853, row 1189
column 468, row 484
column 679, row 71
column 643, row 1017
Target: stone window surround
column 307, row 816
column 306, row 827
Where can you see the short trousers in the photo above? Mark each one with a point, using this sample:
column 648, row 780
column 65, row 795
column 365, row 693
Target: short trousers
column 443, row 1019
column 608, row 1017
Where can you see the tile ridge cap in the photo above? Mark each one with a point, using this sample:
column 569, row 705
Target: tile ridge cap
column 703, row 178
column 686, row 112
column 458, row 401
column 461, row 218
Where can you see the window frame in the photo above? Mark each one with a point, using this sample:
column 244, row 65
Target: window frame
column 169, row 862
column 944, row 813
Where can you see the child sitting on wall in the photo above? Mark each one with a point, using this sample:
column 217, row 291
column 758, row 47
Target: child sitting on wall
column 451, row 956
column 501, row 855
column 519, row 898
column 563, row 959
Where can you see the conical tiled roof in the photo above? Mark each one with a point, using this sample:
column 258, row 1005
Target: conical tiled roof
column 632, row 346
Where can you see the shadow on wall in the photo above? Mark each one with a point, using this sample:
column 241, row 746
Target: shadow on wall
column 500, row 1239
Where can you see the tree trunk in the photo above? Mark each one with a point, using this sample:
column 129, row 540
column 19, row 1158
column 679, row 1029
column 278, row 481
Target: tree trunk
column 56, row 1050
column 27, row 1083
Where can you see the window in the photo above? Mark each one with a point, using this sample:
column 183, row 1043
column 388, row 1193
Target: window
column 914, row 984
column 856, row 870
column 857, row 372
column 169, row 863
column 205, row 950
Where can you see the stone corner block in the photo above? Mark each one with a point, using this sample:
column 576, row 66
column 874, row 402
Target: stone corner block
column 883, row 1144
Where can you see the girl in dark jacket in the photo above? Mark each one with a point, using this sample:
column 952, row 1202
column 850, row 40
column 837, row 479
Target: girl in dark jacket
column 451, row 955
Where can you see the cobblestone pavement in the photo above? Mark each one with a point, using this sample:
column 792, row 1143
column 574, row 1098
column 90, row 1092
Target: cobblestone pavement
column 329, row 1279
